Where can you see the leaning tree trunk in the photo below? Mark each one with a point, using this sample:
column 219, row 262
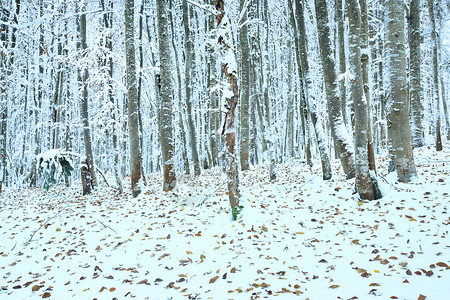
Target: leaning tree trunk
column 306, row 81
column 435, row 75
column 366, row 187
column 232, row 96
column 414, row 71
column 399, row 132
column 88, row 174
column 133, row 120
column 166, row 96
column 340, row 135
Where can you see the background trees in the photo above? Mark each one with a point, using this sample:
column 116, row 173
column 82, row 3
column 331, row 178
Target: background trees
column 289, row 52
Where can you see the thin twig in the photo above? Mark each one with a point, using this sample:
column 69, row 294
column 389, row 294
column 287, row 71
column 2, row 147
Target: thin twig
column 47, row 222
column 103, row 175
column 106, row 226
column 210, row 195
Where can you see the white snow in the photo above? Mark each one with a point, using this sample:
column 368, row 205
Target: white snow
column 297, row 235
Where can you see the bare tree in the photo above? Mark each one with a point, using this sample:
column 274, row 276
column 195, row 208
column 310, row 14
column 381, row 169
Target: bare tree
column 133, row 116
column 399, row 132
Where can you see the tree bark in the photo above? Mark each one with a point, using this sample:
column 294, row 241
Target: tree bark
column 89, row 173
column 189, row 56
column 339, row 133
column 366, row 186
column 232, row 96
column 415, row 76
column 399, row 132
column 166, row 94
column 133, row 107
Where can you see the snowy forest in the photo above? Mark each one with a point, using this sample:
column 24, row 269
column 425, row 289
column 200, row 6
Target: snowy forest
column 192, row 117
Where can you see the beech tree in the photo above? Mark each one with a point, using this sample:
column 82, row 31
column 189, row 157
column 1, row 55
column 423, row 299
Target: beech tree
column 400, row 147
column 166, row 96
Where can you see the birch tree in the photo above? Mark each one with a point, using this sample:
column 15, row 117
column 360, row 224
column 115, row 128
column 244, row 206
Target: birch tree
column 399, row 133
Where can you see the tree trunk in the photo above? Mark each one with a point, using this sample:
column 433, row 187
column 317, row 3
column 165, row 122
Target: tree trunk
column 133, row 107
column 305, row 76
column 166, row 94
column 415, row 76
column 244, row 124
column 399, row 132
column 342, row 61
column 189, row 56
column 366, row 186
column 339, row 133
column 436, row 93
column 88, row 174
column 232, row 96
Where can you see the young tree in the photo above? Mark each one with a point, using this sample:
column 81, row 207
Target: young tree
column 414, row 71
column 189, row 56
column 399, row 132
column 436, row 92
column 133, row 121
column 166, row 96
column 340, row 135
column 87, row 172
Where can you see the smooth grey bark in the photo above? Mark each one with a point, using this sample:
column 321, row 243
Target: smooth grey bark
column 244, row 123
column 414, row 73
column 399, row 132
column 133, row 105
column 436, row 90
column 344, row 148
column 166, row 96
column 189, row 56
column 366, row 186
column 88, row 173
column 306, row 82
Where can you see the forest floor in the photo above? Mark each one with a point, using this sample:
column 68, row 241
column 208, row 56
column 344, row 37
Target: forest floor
column 299, row 237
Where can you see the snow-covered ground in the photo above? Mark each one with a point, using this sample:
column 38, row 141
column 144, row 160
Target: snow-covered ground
column 299, row 237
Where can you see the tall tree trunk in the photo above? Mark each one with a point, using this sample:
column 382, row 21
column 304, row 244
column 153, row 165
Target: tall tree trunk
column 232, row 96
column 305, row 76
column 339, row 133
column 244, row 124
column 166, row 88
column 189, row 56
column 364, row 41
column 342, row 61
column 366, row 187
column 133, row 107
column 399, row 132
column 415, row 76
column 88, row 173
column 436, row 93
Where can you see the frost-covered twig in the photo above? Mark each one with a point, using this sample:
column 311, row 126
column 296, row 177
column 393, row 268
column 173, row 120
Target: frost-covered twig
column 58, row 213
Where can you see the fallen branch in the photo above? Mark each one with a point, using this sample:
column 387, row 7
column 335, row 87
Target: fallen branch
column 46, row 223
column 103, row 175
